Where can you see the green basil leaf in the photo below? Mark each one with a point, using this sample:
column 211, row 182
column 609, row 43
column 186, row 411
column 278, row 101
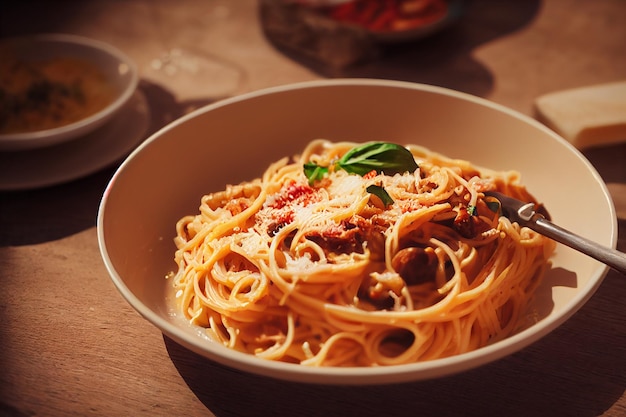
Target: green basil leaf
column 314, row 172
column 386, row 157
column 381, row 193
column 493, row 204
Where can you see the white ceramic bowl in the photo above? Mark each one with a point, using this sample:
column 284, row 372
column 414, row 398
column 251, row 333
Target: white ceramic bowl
column 120, row 72
column 235, row 139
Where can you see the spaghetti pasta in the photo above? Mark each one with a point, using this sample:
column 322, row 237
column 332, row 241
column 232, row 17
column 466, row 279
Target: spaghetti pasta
column 355, row 255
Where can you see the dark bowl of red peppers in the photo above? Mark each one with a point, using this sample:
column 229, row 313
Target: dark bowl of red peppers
column 341, row 33
column 395, row 20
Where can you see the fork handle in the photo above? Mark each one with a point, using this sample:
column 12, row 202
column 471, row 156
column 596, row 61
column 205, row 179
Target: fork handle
column 611, row 257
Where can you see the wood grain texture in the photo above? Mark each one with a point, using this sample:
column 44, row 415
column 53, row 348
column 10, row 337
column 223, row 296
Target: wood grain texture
column 71, row 346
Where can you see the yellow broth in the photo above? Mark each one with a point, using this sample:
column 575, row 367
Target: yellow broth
column 39, row 95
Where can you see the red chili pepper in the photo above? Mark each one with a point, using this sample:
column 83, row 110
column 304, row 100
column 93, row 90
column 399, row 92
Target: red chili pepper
column 383, row 20
column 388, row 15
column 368, row 12
column 343, row 11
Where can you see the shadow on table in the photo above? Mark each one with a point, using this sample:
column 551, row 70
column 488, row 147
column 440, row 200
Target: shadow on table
column 50, row 213
column 579, row 369
column 444, row 59
column 609, row 161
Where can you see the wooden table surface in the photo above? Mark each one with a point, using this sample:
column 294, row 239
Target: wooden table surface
column 72, row 346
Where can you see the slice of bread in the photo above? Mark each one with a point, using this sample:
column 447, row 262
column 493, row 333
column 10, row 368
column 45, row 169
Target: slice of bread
column 586, row 116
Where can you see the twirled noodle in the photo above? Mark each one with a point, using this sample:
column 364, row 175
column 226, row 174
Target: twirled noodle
column 324, row 273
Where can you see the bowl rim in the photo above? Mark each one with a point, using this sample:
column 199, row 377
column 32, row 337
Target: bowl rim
column 62, row 133
column 358, row 375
